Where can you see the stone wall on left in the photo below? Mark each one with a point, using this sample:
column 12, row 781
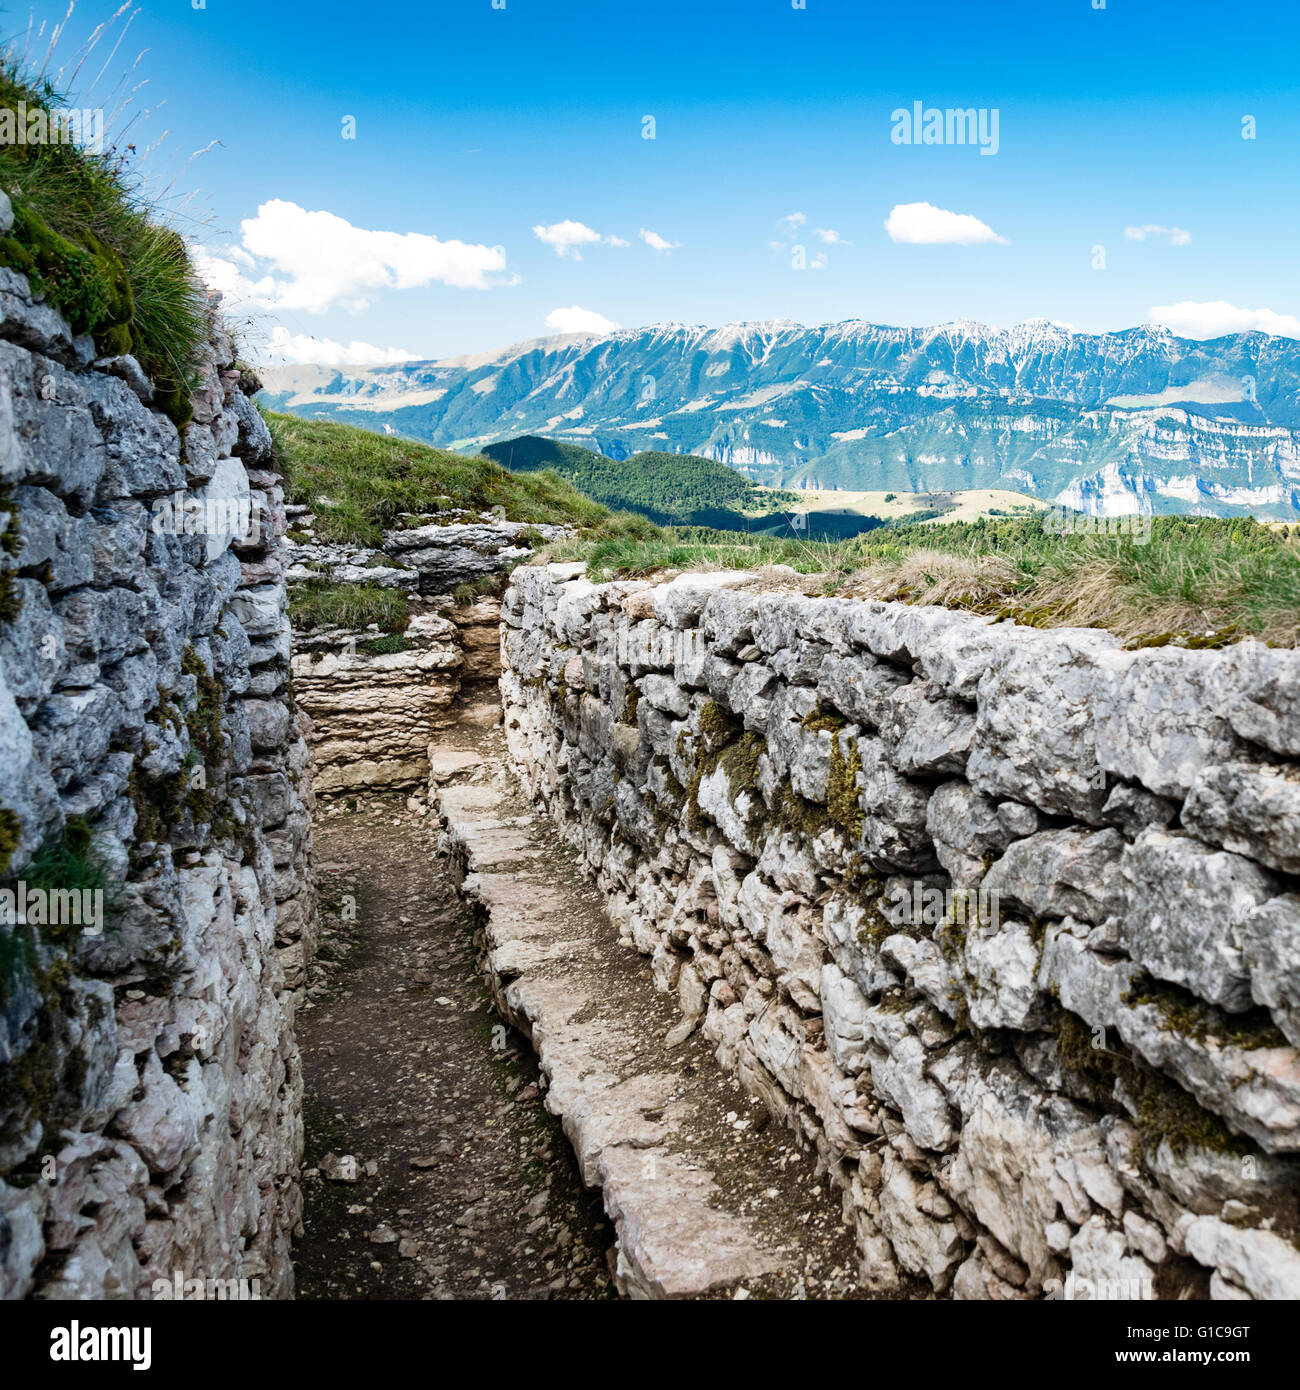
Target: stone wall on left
column 150, row 1090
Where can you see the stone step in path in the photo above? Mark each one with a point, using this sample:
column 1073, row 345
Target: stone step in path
column 708, row 1199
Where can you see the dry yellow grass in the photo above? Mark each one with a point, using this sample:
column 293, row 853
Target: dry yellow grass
column 937, row 576
column 1098, row 592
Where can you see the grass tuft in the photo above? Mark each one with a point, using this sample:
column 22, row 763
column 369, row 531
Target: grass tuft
column 93, row 245
column 351, row 606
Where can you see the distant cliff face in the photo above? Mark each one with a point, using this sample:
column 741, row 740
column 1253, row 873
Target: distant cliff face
column 1111, row 423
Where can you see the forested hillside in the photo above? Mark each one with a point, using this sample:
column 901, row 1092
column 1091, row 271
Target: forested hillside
column 673, row 489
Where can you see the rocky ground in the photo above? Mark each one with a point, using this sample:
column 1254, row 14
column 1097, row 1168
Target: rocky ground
column 433, row 1170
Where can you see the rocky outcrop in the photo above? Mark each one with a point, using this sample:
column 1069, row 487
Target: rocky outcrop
column 1001, row 920
column 429, row 554
column 150, row 1096
column 375, row 698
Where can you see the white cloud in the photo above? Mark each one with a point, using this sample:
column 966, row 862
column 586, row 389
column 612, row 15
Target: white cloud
column 290, row 258
column 789, row 238
column 923, row 224
column 1177, row 236
column 656, row 243
column 576, row 320
column 566, row 237
column 1215, row 318
column 302, row 348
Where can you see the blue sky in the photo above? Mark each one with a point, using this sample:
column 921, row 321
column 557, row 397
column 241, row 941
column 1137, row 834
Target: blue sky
column 475, row 125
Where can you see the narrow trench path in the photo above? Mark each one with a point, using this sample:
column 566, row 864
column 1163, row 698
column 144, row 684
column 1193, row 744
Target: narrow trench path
column 432, row 1167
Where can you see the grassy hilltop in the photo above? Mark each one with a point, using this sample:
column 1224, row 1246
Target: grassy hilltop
column 670, row 489
column 359, row 483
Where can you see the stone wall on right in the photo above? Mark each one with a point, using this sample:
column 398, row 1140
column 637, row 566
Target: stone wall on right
column 1005, row 921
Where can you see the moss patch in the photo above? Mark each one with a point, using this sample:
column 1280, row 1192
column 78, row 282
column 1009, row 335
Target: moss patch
column 11, row 603
column 798, row 814
column 1162, row 1111
column 203, row 718
column 737, row 758
column 739, row 761
column 820, row 719
column 842, row 787
column 161, row 804
column 1193, row 641
column 88, row 284
column 1183, row 1013
column 11, row 830
column 878, row 925
column 1165, row 1112
column 716, row 727
column 37, row 1084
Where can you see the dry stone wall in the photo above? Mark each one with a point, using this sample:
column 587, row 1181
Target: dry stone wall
column 375, row 699
column 1004, row 921
column 150, row 1092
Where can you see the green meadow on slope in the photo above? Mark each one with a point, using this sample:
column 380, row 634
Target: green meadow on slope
column 359, row 483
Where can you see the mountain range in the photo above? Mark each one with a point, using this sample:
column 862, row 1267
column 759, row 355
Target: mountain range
column 1138, row 420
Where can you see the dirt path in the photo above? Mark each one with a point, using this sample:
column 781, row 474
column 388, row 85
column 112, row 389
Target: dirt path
column 433, row 1170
